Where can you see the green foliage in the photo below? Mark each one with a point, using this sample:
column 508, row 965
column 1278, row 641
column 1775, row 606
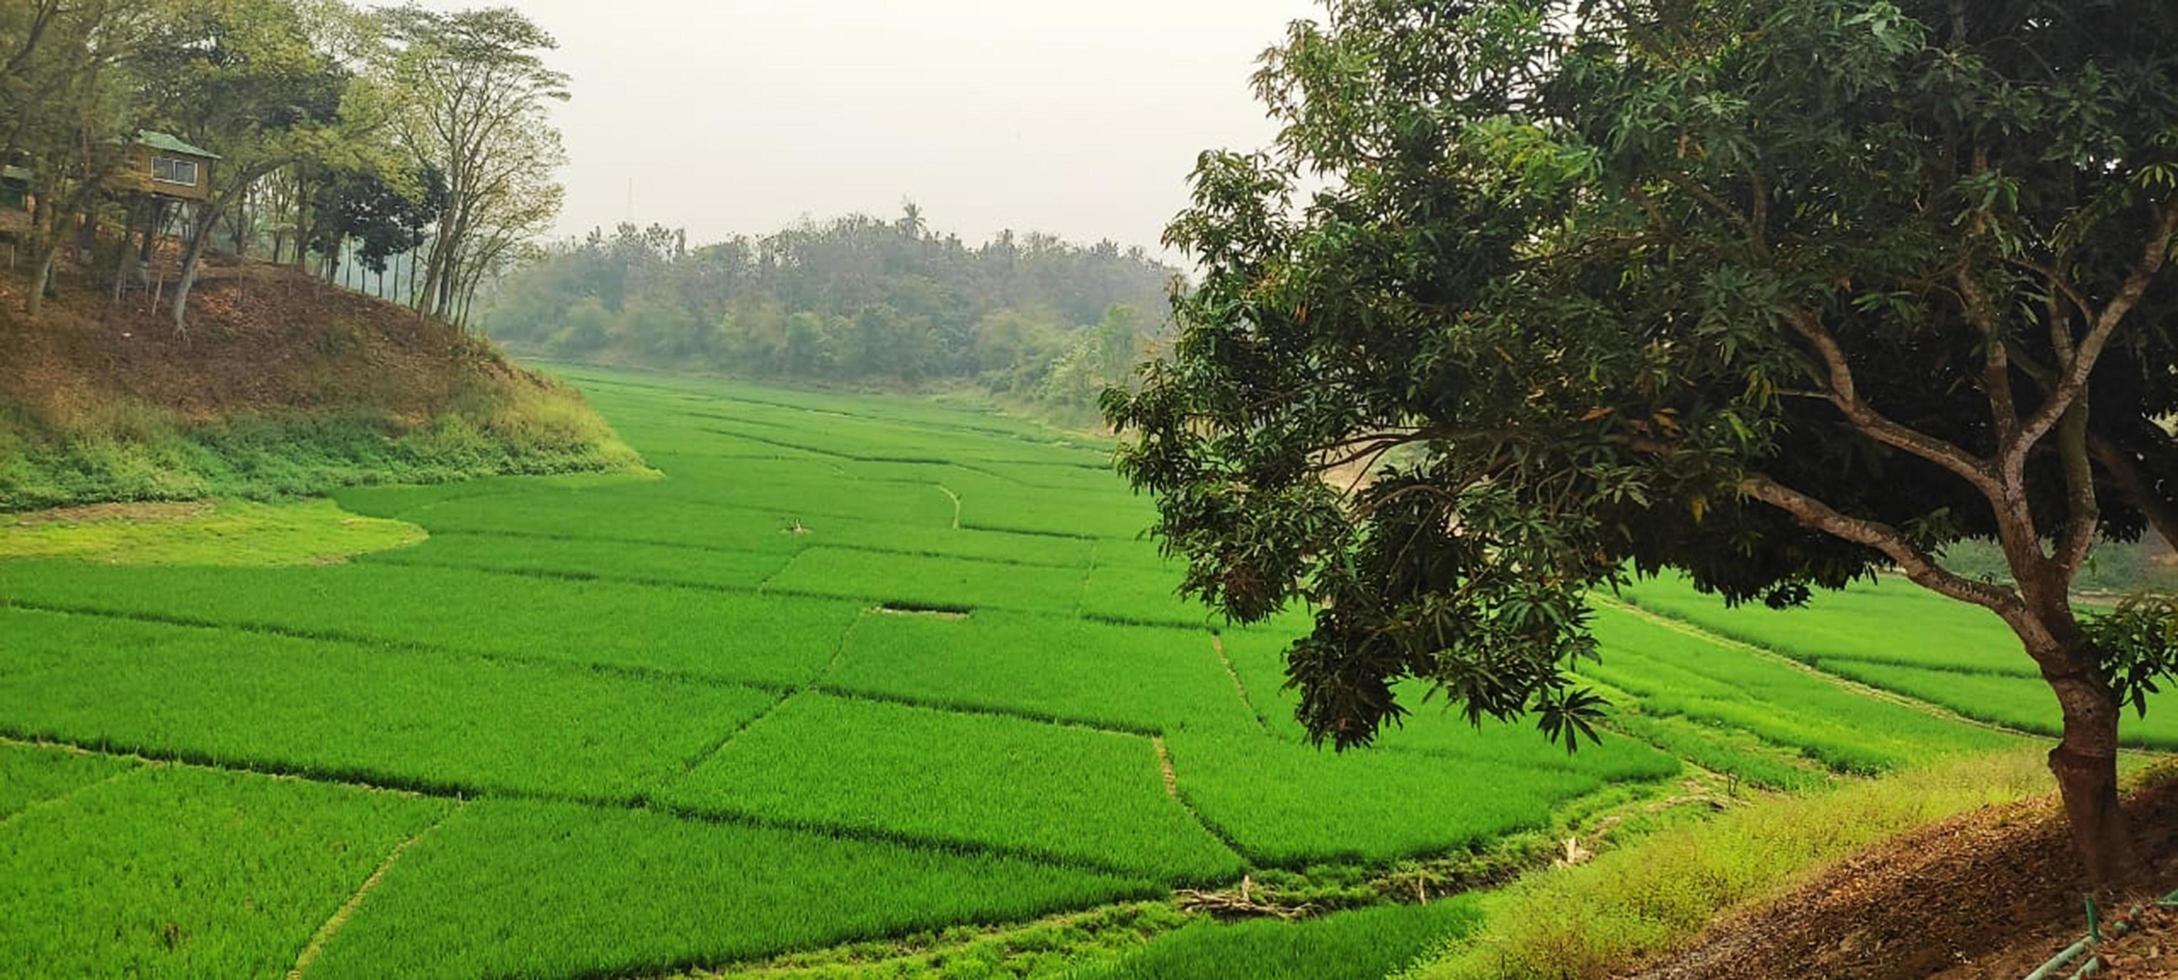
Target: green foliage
column 1086, row 796
column 852, row 300
column 199, row 873
column 565, row 890
column 1776, row 294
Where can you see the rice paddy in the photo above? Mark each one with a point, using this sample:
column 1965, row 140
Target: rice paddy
column 845, row 668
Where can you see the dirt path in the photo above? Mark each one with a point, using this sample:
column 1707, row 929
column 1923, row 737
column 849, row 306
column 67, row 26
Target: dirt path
column 1987, row 894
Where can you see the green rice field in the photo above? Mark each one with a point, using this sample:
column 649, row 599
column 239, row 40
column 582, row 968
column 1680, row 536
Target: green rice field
column 843, row 669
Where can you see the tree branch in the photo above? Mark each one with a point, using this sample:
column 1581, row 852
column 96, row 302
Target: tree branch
column 1917, row 564
column 1846, row 397
column 2125, row 474
column 2073, row 372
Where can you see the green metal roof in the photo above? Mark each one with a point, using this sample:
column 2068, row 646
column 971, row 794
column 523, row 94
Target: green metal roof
column 162, row 141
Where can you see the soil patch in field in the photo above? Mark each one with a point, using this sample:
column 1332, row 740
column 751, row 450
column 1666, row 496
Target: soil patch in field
column 1991, row 893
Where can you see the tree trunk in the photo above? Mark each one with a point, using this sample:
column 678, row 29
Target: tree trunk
column 192, row 254
column 2085, row 764
column 41, row 277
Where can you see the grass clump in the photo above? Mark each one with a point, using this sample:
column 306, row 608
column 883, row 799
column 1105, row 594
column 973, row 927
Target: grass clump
column 1601, row 918
column 154, row 456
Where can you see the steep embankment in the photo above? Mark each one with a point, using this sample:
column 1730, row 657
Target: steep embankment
column 281, row 385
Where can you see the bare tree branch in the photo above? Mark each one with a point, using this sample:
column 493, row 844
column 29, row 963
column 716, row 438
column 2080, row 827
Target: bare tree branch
column 1918, row 565
column 1846, row 397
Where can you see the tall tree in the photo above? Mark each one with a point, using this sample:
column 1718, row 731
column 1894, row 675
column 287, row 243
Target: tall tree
column 1778, row 293
column 480, row 90
column 244, row 79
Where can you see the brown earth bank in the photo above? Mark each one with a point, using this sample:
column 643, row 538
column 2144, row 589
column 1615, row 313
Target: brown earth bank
column 280, row 385
column 1992, row 893
column 261, row 339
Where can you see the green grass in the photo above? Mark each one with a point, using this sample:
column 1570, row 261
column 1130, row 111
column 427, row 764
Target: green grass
column 233, row 532
column 343, row 711
column 1088, row 796
column 776, row 640
column 533, row 889
column 1604, row 917
column 1148, row 680
column 179, row 872
column 154, row 455
column 1363, row 944
column 1674, row 673
column 1859, row 623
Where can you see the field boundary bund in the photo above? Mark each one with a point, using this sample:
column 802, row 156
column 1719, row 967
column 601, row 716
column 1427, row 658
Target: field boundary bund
column 929, row 844
column 1857, row 687
column 630, row 671
column 316, row 946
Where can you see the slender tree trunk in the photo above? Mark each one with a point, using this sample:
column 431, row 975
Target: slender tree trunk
column 41, row 277
column 192, row 254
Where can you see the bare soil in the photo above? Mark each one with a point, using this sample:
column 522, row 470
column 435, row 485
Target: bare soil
column 1990, row 893
column 261, row 340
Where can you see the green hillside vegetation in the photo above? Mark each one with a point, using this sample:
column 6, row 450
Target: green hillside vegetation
column 855, row 300
column 282, row 386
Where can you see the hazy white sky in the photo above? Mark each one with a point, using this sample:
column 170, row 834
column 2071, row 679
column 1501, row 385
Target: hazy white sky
column 1077, row 117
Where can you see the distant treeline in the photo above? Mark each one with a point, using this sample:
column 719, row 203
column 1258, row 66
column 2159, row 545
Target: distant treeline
column 856, row 300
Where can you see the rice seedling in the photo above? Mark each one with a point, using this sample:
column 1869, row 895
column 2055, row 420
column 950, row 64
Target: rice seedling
column 1361, row 944
column 347, row 712
column 1093, row 797
column 511, row 888
column 779, row 640
column 35, row 773
column 175, row 871
column 918, row 582
column 1142, row 679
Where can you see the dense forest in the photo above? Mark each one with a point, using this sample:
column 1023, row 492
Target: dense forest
column 855, row 300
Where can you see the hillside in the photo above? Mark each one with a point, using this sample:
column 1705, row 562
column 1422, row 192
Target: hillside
column 282, row 384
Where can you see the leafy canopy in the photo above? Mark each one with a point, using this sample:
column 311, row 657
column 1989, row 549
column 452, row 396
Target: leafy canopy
column 1565, row 279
